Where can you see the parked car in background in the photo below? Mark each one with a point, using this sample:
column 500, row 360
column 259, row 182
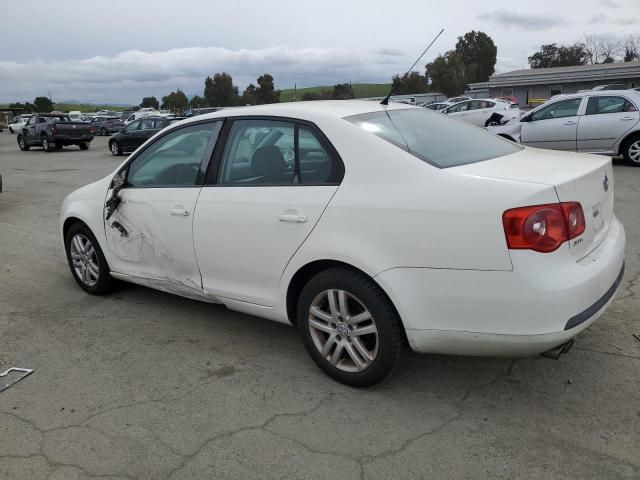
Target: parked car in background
column 18, row 122
column 107, row 125
column 509, row 99
column 458, row 99
column 482, row 112
column 437, row 106
column 605, row 122
column 365, row 226
column 137, row 132
column 142, row 113
column 76, row 116
column 611, row 86
column 54, row 131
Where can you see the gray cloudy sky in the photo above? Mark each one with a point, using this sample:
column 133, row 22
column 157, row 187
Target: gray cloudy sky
column 121, row 50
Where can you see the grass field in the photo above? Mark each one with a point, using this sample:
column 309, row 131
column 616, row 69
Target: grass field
column 361, row 90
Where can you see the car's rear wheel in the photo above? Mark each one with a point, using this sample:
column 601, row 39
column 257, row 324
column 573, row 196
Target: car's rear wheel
column 115, row 149
column 59, row 146
column 631, row 151
column 47, row 145
column 83, row 146
column 24, row 146
column 86, row 260
column 349, row 327
column 11, row 130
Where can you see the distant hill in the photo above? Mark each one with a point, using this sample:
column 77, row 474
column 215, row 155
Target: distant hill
column 361, row 90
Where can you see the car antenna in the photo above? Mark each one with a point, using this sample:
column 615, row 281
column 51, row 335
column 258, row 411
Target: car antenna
column 385, row 101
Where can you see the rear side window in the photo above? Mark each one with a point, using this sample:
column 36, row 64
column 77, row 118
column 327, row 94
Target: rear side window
column 599, row 105
column 434, row 138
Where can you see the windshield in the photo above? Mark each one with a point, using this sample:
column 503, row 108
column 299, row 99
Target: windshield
column 433, row 137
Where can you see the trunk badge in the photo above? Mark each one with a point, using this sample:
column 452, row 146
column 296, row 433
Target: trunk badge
column 605, row 183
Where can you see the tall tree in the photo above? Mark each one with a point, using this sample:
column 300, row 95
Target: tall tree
column 220, row 91
column 150, row 102
column 479, row 54
column 43, row 104
column 409, row 83
column 18, row 108
column 631, row 48
column 601, row 49
column 249, row 95
column 175, row 100
column 343, row 91
column 198, row 102
column 447, row 74
column 266, row 92
column 552, row 55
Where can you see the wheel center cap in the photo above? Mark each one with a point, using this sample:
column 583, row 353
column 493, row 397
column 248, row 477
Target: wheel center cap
column 343, row 329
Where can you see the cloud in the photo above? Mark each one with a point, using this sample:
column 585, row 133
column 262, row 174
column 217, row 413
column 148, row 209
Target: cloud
column 610, row 4
column 128, row 76
column 392, row 52
column 524, row 21
column 601, row 18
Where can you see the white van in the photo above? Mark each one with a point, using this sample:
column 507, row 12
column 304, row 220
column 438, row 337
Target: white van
column 142, row 113
column 75, row 115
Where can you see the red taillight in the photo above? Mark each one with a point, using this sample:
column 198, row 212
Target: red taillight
column 543, row 228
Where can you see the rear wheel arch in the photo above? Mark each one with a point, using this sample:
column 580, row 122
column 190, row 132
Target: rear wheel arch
column 310, row 270
column 630, row 137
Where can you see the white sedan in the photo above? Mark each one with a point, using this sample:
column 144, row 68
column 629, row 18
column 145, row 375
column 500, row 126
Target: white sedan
column 18, row 123
column 482, row 112
column 364, row 225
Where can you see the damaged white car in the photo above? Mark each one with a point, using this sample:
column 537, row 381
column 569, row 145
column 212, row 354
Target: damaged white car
column 483, row 112
column 369, row 227
column 605, row 122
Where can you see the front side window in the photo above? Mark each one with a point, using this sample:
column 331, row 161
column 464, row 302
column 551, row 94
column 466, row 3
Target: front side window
column 561, row 109
column 434, row 139
column 599, row 105
column 460, row 107
column 174, row 159
column 133, row 126
column 147, row 124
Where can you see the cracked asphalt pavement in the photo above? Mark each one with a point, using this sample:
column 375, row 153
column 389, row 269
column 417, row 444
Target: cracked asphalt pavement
column 145, row 385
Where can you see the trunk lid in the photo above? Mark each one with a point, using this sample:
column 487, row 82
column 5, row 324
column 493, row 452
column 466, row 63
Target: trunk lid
column 583, row 178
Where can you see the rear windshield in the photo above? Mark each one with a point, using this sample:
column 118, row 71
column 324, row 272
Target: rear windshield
column 434, row 137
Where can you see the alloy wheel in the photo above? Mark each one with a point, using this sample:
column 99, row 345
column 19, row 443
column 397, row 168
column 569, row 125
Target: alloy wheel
column 343, row 330
column 634, row 152
column 85, row 260
column 114, row 149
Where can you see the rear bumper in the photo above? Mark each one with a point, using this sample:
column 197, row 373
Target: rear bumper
column 68, row 139
column 533, row 308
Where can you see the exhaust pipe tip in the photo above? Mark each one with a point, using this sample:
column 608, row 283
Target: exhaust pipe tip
column 555, row 352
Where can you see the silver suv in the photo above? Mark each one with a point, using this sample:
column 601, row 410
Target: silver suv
column 605, row 122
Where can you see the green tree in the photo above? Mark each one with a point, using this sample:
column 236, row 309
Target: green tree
column 478, row 53
column 448, row 74
column 343, row 91
column 150, row 102
column 198, row 102
column 220, row 91
column 552, row 55
column 43, row 104
column 18, row 108
column 249, row 95
column 409, row 83
column 323, row 94
column 175, row 100
column 266, row 92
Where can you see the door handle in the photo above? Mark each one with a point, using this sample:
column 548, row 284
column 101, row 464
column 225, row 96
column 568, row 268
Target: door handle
column 624, row 119
column 570, row 122
column 180, row 212
column 292, row 217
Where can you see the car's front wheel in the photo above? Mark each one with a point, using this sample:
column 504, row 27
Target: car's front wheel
column 115, row 149
column 631, row 151
column 349, row 327
column 24, row 146
column 47, row 146
column 83, row 146
column 87, row 262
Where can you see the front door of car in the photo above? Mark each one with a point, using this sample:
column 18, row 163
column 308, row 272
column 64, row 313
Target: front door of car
column 459, row 110
column 149, row 234
column 129, row 139
column 606, row 120
column 274, row 181
column 554, row 126
column 29, row 130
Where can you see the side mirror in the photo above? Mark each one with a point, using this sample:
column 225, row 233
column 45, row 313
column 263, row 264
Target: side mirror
column 118, row 180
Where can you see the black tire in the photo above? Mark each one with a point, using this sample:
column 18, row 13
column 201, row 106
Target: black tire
column 47, row 146
column 115, row 149
column 83, row 146
column 11, row 130
column 631, row 147
column 386, row 320
column 103, row 132
column 105, row 282
column 24, row 146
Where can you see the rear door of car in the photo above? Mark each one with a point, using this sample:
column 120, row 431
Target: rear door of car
column 270, row 181
column 606, row 120
column 459, row 110
column 553, row 126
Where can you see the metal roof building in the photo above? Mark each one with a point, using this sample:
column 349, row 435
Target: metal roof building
column 532, row 86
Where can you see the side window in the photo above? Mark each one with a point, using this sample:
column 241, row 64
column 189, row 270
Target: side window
column 174, row 159
column 133, row 126
column 317, row 166
column 147, row 124
column 601, row 104
column 259, row 152
column 32, row 120
column 563, row 108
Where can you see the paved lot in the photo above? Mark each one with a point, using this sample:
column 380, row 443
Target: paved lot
column 144, row 385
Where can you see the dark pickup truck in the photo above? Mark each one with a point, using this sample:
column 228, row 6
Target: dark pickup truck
column 54, row 131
